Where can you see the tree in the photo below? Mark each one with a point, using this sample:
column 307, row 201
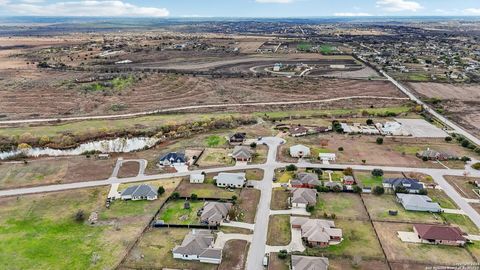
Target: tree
column 340, row 149
column 423, row 191
column 80, row 216
column 465, row 143
column 175, row 195
column 253, row 145
column 377, row 172
column 369, row 122
column 291, row 168
column 348, row 171
column 160, row 190
column 193, row 197
column 425, row 158
column 310, row 208
column 283, row 254
column 337, row 189
column 476, row 166
column 357, row 189
column 378, row 190
column 379, row 140
column 234, row 198
column 318, row 171
column 465, row 159
column 448, row 139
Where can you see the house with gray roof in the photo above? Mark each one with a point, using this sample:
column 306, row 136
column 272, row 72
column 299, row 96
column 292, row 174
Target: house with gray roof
column 305, row 180
column 309, row 263
column 139, row 192
column 231, row 180
column 198, row 245
column 299, row 151
column 422, row 203
column 214, row 213
column 317, row 232
column 242, row 153
column 303, row 197
column 411, row 185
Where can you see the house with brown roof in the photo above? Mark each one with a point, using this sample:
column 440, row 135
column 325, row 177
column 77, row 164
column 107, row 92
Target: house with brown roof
column 242, row 153
column 440, row 234
column 303, row 197
column 305, row 180
column 214, row 213
column 309, row 263
column 317, row 232
column 198, row 245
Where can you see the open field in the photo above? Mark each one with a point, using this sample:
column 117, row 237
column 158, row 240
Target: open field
column 462, row 185
column 460, row 102
column 205, row 190
column 343, row 205
column 461, row 221
column 128, row 169
column 441, row 198
column 359, row 240
column 279, row 231
column 30, row 224
column 397, row 250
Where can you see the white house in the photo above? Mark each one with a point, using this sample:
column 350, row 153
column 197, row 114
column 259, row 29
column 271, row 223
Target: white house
column 140, row 192
column 197, row 178
column 299, row 151
column 327, row 157
column 232, row 180
column 198, row 245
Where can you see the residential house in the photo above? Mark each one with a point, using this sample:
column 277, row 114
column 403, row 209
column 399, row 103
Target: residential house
column 327, row 157
column 411, row 185
column 348, row 180
column 172, row 159
column 298, row 131
column 232, row 180
column 139, row 192
column 242, row 153
column 198, row 245
column 309, row 263
column 332, row 185
column 305, row 180
column 303, row 197
column 430, row 154
column 415, row 202
column 392, row 129
column 440, row 234
column 197, row 178
column 299, row 151
column 238, row 138
column 317, row 232
column 214, row 213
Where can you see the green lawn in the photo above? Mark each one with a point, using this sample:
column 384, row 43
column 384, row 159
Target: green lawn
column 284, row 177
column 441, row 198
column 304, row 46
column 326, row 49
column 173, row 212
column 368, row 180
column 215, row 141
column 461, row 221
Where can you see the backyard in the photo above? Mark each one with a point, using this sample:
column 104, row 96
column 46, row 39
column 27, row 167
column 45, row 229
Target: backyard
column 174, row 212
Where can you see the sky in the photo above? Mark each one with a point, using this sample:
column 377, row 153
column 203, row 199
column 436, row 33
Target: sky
column 239, row 8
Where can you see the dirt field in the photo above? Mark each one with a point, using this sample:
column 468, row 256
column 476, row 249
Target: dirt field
column 462, row 185
column 248, row 202
column 399, row 251
column 128, row 169
column 460, row 102
column 234, row 255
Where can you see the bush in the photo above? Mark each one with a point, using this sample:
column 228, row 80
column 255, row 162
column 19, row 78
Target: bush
column 175, row 195
column 348, row 171
column 283, row 254
column 80, row 216
column 322, row 189
column 378, row 190
column 234, row 198
column 379, row 140
column 377, row 172
column 160, row 190
column 357, row 189
column 465, row 143
column 253, row 145
column 193, row 197
column 423, row 191
column 369, row 122
column 337, row 189
column 401, row 189
column 340, row 149
column 291, row 168
column 465, row 159
column 476, row 166
column 310, row 208
column 425, row 158
column 448, row 139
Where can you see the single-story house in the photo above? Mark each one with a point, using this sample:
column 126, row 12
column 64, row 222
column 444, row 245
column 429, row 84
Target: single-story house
column 317, row 232
column 410, row 184
column 440, row 234
column 198, row 245
column 332, row 184
column 214, row 213
column 348, row 180
column 242, row 153
column 327, row 156
column 305, row 180
column 299, row 151
column 238, row 138
column 434, row 155
column 298, row 131
column 172, row 158
column 197, row 178
column 303, row 197
column 309, row 263
column 139, row 192
column 232, row 180
column 415, row 202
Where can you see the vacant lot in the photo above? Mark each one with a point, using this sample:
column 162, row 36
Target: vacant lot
column 279, row 231
column 30, row 224
column 343, row 205
column 129, row 169
column 247, row 203
column 276, row 263
column 174, row 212
column 206, row 190
column 378, row 207
column 234, row 255
column 279, row 199
column 397, row 250
column 54, row 171
column 463, row 185
column 215, row 157
column 358, row 240
column 154, row 251
column 366, row 179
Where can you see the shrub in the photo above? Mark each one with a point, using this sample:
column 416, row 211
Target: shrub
column 322, row 189
column 348, row 171
column 377, row 172
column 476, row 166
column 423, row 191
column 379, row 140
column 369, row 122
column 448, row 139
column 378, row 190
column 465, row 143
column 160, row 190
column 310, row 208
column 80, row 216
column 291, row 168
column 234, row 197
column 340, row 149
column 465, row 159
column 193, row 197
column 175, row 195
column 357, row 189
column 425, row 158
column 283, row 254
column 253, row 145
column 337, row 189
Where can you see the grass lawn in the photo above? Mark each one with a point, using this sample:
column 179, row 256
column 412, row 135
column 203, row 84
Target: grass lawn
column 234, row 255
column 215, row 157
column 284, row 177
column 441, row 198
column 378, row 207
column 279, row 232
column 368, row 180
column 462, row 221
column 260, row 156
column 254, row 174
column 31, row 225
column 173, row 212
column 359, row 239
column 247, row 203
column 343, row 205
column 474, row 249
column 276, row 263
column 154, row 251
column 215, row 141
column 41, row 172
column 462, row 185
column 279, row 199
column 336, row 176
column 225, row 229
column 205, row 190
column 397, row 250
column 315, row 151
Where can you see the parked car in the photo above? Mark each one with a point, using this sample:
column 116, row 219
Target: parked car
column 265, row 259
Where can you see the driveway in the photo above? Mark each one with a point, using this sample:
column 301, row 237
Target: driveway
column 293, row 211
column 223, row 238
column 409, row 237
column 242, row 225
column 296, row 244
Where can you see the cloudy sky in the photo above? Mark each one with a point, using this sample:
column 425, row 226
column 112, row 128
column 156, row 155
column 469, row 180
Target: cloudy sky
column 238, row 8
